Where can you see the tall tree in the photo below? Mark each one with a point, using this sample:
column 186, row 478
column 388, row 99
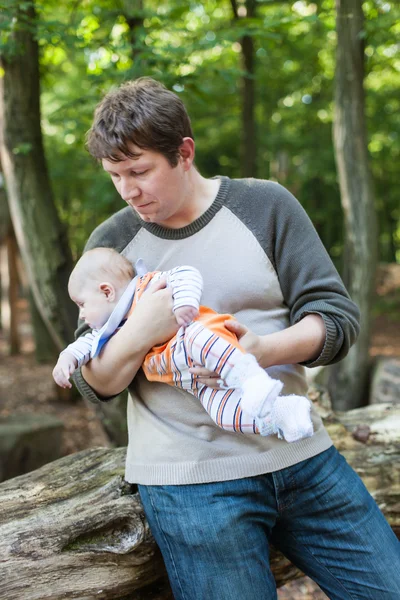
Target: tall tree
column 134, row 16
column 8, row 282
column 4, row 224
column 40, row 234
column 348, row 379
column 249, row 138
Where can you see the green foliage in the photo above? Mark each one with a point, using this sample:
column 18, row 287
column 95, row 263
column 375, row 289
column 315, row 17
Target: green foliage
column 194, row 47
column 23, row 148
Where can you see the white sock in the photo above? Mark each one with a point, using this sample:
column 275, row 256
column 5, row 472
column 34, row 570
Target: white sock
column 258, row 389
column 259, row 393
column 265, row 426
column 291, row 419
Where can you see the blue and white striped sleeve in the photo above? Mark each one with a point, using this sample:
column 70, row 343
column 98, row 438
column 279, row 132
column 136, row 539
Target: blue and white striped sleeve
column 82, row 347
column 187, row 286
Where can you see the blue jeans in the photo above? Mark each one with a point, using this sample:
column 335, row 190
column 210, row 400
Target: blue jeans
column 215, row 537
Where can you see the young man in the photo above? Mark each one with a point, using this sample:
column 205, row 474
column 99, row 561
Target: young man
column 215, row 499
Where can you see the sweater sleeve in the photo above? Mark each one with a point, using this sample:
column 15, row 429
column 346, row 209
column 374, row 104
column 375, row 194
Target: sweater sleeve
column 80, row 382
column 81, row 348
column 308, row 279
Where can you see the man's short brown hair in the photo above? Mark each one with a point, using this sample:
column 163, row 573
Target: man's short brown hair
column 140, row 112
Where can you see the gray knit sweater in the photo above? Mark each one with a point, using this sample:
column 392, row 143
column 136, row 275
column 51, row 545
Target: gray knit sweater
column 263, row 262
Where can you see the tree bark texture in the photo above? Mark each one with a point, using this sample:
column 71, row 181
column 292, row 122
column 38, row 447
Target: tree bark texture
column 12, row 253
column 248, row 93
column 9, row 285
column 348, row 379
column 75, row 529
column 4, row 227
column 45, row 349
column 133, row 14
column 40, row 234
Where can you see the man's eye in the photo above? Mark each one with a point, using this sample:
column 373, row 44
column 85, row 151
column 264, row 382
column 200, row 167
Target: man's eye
column 136, row 173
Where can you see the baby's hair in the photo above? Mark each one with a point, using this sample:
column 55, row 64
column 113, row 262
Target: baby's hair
column 103, row 264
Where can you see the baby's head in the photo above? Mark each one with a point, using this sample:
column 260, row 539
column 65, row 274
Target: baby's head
column 97, row 282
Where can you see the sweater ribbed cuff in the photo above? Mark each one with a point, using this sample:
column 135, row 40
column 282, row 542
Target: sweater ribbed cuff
column 86, row 391
column 328, row 351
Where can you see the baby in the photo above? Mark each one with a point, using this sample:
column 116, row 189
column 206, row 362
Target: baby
column 104, row 286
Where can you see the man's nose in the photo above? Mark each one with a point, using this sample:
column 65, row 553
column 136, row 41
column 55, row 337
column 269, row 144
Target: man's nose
column 129, row 190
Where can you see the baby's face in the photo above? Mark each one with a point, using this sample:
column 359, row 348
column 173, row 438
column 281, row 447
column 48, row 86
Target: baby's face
column 94, row 306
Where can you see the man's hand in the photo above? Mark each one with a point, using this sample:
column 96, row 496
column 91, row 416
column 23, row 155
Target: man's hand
column 249, row 341
column 298, row 343
column 184, row 315
column 153, row 321
column 63, row 370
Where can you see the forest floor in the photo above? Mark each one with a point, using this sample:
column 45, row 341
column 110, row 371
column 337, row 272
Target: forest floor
column 26, row 386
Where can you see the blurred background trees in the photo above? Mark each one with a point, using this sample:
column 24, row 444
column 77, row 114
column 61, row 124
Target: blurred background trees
column 257, row 78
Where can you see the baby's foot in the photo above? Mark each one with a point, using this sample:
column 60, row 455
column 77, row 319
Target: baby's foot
column 258, row 389
column 259, row 393
column 291, row 419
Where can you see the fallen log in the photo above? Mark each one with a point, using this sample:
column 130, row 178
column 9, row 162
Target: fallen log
column 75, row 529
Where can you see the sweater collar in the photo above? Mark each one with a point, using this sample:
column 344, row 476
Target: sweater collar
column 198, row 224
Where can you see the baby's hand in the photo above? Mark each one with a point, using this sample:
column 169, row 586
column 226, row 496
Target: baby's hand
column 184, row 315
column 63, row 370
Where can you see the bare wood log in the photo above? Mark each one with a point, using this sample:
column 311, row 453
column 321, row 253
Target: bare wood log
column 73, row 529
column 377, row 458
column 76, row 529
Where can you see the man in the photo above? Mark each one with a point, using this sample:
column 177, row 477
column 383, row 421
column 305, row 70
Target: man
column 215, row 499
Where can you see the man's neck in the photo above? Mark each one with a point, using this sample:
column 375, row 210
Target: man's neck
column 200, row 195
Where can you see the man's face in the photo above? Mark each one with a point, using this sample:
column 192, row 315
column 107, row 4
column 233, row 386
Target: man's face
column 154, row 189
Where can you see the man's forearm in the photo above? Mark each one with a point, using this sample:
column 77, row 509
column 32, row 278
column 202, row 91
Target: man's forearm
column 299, row 343
column 113, row 370
column 152, row 322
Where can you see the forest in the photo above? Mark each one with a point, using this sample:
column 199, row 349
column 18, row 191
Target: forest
column 303, row 93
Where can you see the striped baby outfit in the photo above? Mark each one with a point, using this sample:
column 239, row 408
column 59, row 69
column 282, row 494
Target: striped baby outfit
column 205, row 342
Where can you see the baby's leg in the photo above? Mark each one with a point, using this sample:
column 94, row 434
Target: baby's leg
column 289, row 418
column 224, row 408
column 258, row 390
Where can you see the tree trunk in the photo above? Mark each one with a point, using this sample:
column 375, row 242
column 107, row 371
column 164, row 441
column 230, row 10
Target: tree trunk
column 45, row 349
column 40, row 235
column 75, row 529
column 249, row 137
column 8, row 280
column 133, row 14
column 12, row 252
column 348, row 379
column 249, row 150
column 4, row 227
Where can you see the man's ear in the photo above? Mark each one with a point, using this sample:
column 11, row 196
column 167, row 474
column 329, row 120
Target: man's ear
column 108, row 290
column 187, row 152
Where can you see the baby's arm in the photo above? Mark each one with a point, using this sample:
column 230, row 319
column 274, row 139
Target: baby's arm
column 75, row 355
column 66, row 365
column 187, row 286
